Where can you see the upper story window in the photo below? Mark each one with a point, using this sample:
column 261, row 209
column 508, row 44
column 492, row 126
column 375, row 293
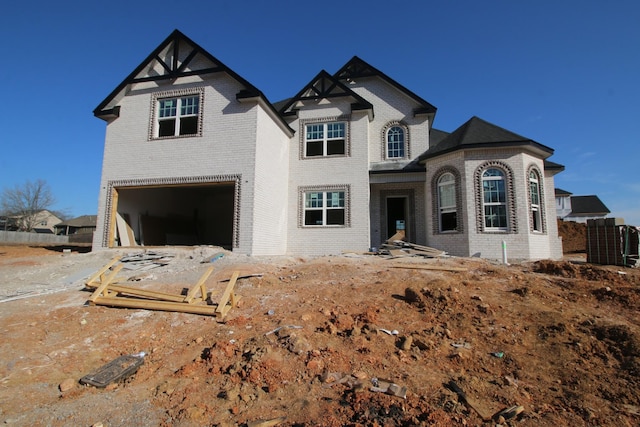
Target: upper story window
column 177, row 114
column 535, row 201
column 447, row 209
column 395, row 143
column 395, row 138
column 325, row 139
column 494, row 199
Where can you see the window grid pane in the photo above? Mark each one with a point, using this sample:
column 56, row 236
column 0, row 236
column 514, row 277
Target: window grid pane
column 395, row 142
column 189, row 106
column 168, row 108
column 324, row 208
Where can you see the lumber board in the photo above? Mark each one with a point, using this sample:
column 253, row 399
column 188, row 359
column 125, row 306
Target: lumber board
column 100, row 272
column 105, row 283
column 156, row 305
column 199, row 287
column 121, row 226
column 398, row 236
column 224, row 299
column 145, row 293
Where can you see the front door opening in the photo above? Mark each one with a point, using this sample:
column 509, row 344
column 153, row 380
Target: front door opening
column 396, row 215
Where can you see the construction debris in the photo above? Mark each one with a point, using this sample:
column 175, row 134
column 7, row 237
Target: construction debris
column 396, row 247
column 116, row 370
column 107, row 291
column 145, row 261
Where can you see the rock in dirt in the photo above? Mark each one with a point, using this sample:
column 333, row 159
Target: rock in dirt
column 66, row 385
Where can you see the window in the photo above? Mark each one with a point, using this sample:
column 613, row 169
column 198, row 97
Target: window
column 324, row 208
column 534, row 194
column 395, row 143
column 178, row 116
column 494, row 199
column 447, row 212
column 325, row 139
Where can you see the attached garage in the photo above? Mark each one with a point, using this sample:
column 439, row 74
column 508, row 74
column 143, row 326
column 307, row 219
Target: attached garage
column 173, row 213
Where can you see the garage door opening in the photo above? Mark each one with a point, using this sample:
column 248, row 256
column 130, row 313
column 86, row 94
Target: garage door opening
column 181, row 215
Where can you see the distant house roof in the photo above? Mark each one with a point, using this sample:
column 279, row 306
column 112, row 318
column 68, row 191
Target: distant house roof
column 561, row 192
column 478, row 133
column 587, row 205
column 80, row 222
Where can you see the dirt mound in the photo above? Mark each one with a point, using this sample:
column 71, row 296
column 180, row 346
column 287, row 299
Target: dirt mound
column 337, row 341
column 574, row 236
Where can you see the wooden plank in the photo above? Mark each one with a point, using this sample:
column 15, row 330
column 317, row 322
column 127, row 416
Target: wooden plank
column 156, row 305
column 121, row 226
column 398, row 236
column 198, row 287
column 112, row 217
column 144, row 293
column 227, row 294
column 100, row 272
column 106, row 282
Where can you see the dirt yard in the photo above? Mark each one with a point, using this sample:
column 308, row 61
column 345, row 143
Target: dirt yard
column 350, row 340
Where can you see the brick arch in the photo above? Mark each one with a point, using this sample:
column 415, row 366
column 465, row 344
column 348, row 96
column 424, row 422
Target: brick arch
column 383, row 137
column 435, row 214
column 511, row 195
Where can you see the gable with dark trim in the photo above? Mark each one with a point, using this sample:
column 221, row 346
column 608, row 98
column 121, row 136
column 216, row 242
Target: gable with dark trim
column 325, row 86
column 357, row 68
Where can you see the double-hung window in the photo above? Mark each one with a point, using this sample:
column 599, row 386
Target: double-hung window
column 447, row 202
column 325, row 139
column 534, row 194
column 178, row 116
column 494, row 199
column 324, row 208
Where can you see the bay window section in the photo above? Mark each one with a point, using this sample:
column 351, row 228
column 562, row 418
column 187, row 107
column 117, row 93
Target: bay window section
column 534, row 194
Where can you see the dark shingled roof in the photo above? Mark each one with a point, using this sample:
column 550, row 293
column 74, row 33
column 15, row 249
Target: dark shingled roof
column 478, row 133
column 588, row 205
column 561, row 192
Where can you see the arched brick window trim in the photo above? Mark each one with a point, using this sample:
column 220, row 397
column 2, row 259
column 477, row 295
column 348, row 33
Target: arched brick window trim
column 407, row 145
column 534, row 169
column 435, row 210
column 511, row 199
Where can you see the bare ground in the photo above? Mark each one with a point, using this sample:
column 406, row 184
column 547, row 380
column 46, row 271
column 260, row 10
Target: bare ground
column 561, row 339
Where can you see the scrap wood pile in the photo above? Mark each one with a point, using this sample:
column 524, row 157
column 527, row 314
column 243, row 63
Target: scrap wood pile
column 396, row 247
column 106, row 290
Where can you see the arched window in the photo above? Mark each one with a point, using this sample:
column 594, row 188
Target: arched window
column 447, row 210
column 494, row 199
column 395, row 142
column 535, row 201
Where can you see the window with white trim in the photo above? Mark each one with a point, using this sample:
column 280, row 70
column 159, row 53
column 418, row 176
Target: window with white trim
column 325, row 139
column 176, row 114
column 534, row 200
column 447, row 210
column 395, row 143
column 324, row 208
column 494, row 199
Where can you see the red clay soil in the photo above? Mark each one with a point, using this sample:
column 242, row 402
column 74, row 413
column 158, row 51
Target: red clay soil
column 312, row 339
column 574, row 236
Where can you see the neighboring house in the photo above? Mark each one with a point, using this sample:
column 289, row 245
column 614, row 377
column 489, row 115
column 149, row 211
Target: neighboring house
column 563, row 203
column 584, row 208
column 43, row 221
column 85, row 224
column 195, row 154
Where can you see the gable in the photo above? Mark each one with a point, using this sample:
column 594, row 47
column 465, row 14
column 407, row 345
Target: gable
column 324, row 86
column 178, row 57
column 357, row 69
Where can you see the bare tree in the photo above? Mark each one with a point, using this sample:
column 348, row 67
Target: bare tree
column 24, row 202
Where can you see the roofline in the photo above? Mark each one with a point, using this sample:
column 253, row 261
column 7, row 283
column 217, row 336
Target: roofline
column 427, row 107
column 114, row 112
column 479, row 145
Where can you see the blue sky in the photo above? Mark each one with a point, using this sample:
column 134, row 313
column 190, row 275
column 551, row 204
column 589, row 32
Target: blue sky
column 563, row 73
